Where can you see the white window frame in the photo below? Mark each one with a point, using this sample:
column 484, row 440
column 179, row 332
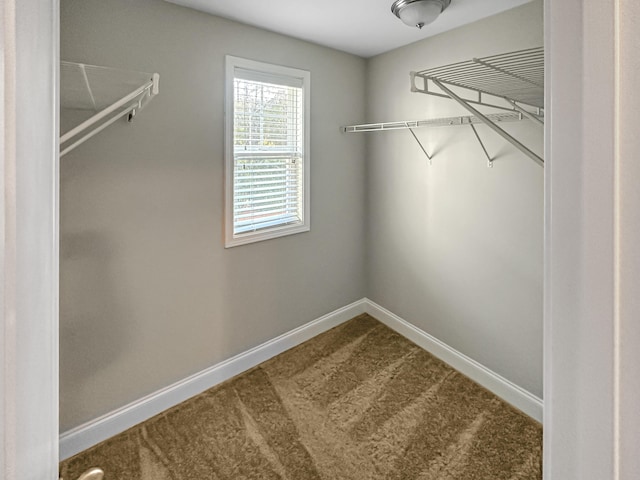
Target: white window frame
column 231, row 64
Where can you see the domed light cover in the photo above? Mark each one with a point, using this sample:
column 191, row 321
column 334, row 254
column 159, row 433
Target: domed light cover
column 418, row 13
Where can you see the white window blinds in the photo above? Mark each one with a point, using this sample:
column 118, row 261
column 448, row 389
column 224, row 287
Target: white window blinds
column 268, row 151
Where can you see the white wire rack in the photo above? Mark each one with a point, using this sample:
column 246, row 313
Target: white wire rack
column 438, row 122
column 511, row 82
column 105, row 94
column 516, row 76
column 434, row 122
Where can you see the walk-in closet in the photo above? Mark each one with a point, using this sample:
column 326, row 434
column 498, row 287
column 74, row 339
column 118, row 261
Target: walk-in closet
column 410, row 289
column 340, row 240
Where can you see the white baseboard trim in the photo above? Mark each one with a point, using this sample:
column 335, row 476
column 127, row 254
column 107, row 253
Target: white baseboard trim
column 503, row 388
column 91, row 433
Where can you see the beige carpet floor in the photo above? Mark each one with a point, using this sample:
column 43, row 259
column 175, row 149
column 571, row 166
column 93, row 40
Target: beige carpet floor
column 357, row 402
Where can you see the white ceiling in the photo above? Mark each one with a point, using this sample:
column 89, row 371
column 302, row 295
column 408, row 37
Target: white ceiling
column 362, row 27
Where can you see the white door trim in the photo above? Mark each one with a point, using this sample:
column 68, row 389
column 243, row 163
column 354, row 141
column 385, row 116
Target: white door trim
column 581, row 241
column 29, row 259
column 628, row 230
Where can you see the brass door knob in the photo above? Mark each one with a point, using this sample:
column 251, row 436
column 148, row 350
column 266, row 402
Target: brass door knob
column 91, row 474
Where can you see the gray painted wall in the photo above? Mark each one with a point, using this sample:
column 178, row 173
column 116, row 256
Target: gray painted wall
column 148, row 293
column 456, row 248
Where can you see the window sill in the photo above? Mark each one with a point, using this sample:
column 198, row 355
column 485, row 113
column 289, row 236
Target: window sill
column 268, row 234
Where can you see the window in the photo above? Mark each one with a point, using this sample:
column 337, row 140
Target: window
column 267, row 151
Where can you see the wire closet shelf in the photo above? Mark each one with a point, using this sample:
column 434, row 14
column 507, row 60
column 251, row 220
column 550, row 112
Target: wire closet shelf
column 510, row 82
column 98, row 97
column 515, row 76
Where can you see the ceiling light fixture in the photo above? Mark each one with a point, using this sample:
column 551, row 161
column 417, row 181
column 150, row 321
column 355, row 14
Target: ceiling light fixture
column 418, row 13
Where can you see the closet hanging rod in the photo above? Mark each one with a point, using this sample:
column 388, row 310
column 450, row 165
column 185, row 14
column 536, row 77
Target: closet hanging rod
column 434, row 122
column 108, row 95
column 146, row 89
column 126, row 112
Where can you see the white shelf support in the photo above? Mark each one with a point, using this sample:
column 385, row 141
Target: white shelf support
column 419, row 143
column 484, row 149
column 425, row 89
column 88, row 85
column 487, row 121
column 525, row 112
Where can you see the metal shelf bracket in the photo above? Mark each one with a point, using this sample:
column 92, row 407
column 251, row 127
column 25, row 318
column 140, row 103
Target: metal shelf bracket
column 525, row 112
column 509, row 138
column 420, row 143
column 489, row 159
